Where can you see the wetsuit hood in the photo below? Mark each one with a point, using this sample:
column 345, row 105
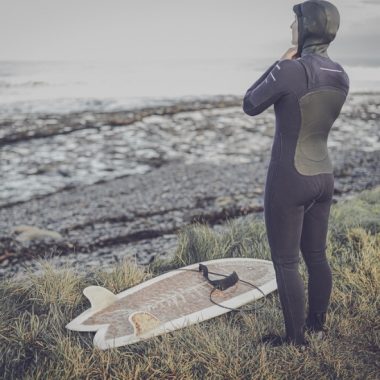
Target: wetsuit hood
column 318, row 23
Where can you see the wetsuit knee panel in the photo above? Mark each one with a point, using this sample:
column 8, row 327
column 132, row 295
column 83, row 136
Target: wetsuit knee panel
column 286, row 262
column 314, row 256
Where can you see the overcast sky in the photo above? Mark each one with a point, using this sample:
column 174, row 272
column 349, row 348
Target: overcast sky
column 172, row 29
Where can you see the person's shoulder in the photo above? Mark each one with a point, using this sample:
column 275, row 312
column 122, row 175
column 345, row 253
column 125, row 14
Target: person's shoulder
column 343, row 72
column 337, row 65
column 333, row 69
column 286, row 72
column 289, row 64
column 339, row 69
column 289, row 67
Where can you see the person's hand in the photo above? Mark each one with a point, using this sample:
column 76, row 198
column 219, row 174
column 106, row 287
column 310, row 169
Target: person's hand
column 291, row 53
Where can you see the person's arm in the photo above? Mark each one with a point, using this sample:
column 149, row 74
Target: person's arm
column 271, row 86
column 268, row 70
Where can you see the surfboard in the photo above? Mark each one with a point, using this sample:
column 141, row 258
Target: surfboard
column 171, row 301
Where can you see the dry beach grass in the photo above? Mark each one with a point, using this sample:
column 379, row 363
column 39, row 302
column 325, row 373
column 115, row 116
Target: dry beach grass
column 34, row 311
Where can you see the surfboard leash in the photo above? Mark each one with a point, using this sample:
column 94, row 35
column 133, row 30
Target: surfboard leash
column 224, row 284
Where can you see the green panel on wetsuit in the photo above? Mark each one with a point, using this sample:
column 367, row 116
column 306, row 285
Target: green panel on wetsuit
column 319, row 109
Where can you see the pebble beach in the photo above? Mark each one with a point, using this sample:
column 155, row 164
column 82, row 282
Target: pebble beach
column 90, row 188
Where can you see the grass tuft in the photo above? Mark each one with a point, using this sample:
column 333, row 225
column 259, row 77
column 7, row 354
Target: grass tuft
column 34, row 310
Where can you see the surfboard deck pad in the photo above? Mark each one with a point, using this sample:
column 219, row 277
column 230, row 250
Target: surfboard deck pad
column 170, row 301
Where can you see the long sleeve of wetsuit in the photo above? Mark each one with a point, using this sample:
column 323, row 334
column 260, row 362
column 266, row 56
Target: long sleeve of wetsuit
column 273, row 84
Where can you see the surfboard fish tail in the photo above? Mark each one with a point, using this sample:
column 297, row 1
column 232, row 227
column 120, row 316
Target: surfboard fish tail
column 99, row 297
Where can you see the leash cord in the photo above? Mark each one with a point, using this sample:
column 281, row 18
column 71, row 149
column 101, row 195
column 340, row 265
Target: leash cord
column 233, row 309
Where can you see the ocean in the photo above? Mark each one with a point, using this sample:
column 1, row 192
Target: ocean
column 67, row 86
column 39, row 97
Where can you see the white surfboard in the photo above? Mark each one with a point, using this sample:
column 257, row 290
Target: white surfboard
column 170, row 301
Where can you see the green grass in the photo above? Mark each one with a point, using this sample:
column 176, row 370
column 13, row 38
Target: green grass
column 34, row 342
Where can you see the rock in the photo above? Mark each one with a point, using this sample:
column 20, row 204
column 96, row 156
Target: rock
column 26, row 233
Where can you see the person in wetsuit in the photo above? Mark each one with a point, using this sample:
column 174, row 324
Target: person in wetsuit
column 308, row 90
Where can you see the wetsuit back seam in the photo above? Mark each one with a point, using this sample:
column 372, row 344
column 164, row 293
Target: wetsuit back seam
column 322, row 88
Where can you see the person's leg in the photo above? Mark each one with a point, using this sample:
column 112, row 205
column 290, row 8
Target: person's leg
column 283, row 219
column 313, row 248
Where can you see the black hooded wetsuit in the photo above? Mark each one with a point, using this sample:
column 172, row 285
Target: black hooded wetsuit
column 308, row 93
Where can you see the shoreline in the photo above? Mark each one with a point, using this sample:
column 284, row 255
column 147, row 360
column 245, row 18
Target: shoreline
column 48, row 153
column 216, row 170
